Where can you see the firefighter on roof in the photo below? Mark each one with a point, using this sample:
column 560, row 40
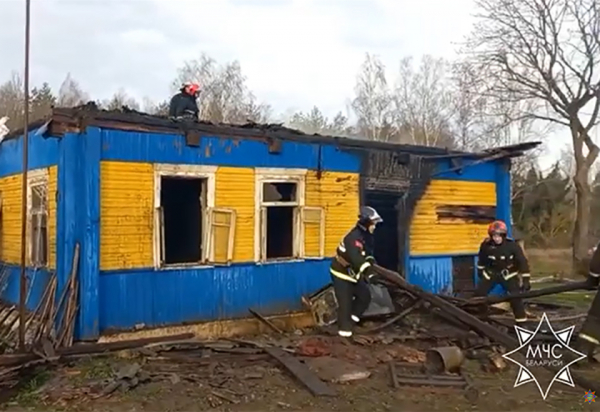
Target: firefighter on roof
column 352, row 268
column 184, row 104
column 589, row 335
column 500, row 261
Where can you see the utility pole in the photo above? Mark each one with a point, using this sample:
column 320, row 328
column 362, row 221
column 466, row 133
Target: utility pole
column 23, row 277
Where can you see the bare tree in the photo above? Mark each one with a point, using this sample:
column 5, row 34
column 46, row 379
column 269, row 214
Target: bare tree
column 156, row 109
column 119, row 100
column 70, row 93
column 225, row 97
column 547, row 53
column 423, row 102
column 315, row 122
column 372, row 103
column 12, row 101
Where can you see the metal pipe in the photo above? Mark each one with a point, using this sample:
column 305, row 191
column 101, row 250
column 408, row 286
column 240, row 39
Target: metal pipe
column 23, row 277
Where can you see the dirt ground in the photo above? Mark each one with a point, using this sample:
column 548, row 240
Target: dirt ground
column 235, row 377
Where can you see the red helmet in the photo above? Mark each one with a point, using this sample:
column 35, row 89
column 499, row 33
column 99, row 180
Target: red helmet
column 497, row 227
column 191, row 88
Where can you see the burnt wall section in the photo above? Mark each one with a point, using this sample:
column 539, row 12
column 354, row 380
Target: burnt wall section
column 401, row 178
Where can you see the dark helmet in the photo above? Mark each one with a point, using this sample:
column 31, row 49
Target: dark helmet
column 497, row 227
column 368, row 216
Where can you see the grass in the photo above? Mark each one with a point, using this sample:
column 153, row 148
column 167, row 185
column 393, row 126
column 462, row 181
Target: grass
column 29, row 394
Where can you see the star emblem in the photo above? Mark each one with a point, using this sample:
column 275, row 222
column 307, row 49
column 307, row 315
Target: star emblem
column 563, row 338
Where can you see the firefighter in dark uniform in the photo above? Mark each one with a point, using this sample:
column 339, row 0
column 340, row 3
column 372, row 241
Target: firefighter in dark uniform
column 184, row 104
column 352, row 268
column 500, row 261
column 589, row 335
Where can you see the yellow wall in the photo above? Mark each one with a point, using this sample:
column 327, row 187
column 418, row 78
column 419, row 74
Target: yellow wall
column 10, row 238
column 429, row 236
column 234, row 189
column 126, row 215
column 338, row 193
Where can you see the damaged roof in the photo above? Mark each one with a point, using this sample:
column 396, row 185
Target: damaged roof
column 76, row 119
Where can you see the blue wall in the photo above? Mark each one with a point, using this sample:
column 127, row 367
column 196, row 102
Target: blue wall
column 434, row 273
column 218, row 151
column 156, row 298
column 42, row 152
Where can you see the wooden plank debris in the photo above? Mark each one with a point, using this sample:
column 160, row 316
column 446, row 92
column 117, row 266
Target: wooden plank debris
column 301, row 372
column 472, row 322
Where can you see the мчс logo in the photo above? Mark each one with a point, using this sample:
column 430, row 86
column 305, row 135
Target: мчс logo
column 553, row 352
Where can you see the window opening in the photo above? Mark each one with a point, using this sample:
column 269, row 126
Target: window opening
column 183, row 206
column 280, row 211
column 38, row 220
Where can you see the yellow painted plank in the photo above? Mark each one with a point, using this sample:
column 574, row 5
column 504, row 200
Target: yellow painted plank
column 126, row 215
column 338, row 194
column 52, row 188
column 234, row 189
column 10, row 245
column 430, row 236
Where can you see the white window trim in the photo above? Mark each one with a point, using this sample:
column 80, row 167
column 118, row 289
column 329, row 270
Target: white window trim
column 37, row 177
column 191, row 171
column 265, row 175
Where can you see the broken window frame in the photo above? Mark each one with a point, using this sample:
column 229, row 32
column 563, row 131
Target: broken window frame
column 278, row 175
column 35, row 216
column 208, row 196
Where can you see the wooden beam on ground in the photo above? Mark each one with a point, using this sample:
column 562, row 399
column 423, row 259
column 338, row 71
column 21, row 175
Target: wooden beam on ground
column 473, row 322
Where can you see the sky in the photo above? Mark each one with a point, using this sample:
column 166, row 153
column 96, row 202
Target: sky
column 295, row 53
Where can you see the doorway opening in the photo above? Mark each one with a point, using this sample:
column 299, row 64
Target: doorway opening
column 463, row 276
column 386, row 235
column 182, row 202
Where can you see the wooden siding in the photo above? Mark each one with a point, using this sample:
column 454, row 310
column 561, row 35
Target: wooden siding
column 429, row 235
column 338, row 194
column 10, row 191
column 52, row 195
column 126, row 215
column 234, row 189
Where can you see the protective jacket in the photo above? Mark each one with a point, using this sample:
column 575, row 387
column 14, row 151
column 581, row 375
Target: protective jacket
column 183, row 104
column 506, row 260
column 353, row 258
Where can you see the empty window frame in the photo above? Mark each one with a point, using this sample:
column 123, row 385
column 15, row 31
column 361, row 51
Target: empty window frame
column 188, row 229
column 37, row 217
column 279, row 199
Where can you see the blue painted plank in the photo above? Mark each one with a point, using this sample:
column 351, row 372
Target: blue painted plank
column 155, row 298
column 42, row 152
column 482, row 172
column 433, row 274
column 90, row 234
column 171, row 148
column 503, row 194
column 37, row 280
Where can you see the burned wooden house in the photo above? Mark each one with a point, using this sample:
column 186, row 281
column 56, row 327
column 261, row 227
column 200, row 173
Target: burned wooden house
column 184, row 224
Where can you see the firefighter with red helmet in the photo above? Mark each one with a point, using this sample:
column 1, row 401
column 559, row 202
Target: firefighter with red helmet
column 352, row 268
column 184, row 104
column 500, row 261
column 589, row 335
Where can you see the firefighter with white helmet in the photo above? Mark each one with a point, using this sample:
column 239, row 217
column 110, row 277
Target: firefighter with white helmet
column 352, row 268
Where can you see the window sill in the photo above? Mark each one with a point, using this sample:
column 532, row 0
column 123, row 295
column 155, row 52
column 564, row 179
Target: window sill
column 294, row 260
column 184, row 266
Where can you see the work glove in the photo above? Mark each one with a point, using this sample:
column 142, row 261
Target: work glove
column 526, row 286
column 369, row 274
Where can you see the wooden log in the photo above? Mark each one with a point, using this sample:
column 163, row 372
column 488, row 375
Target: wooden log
column 90, row 348
column 552, row 290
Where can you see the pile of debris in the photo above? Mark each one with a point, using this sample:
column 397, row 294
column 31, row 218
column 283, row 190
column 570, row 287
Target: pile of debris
column 424, row 341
